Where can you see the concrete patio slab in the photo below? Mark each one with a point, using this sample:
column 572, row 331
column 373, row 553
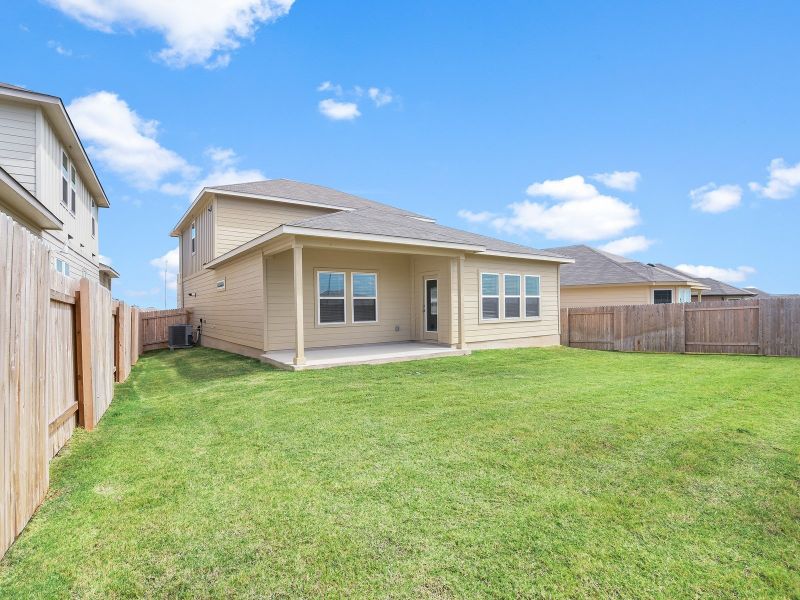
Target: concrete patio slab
column 362, row 354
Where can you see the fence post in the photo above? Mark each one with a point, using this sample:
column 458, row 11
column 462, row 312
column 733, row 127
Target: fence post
column 83, row 314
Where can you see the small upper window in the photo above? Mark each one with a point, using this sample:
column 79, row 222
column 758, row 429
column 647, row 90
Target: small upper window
column 490, row 296
column 72, row 189
column 511, row 302
column 365, row 297
column 330, row 298
column 64, row 179
column 662, row 296
column 193, row 237
column 94, row 227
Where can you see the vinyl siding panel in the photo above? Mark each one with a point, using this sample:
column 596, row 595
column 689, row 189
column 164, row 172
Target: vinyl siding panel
column 394, row 299
column 620, row 295
column 239, row 220
column 18, row 143
column 235, row 314
column 192, row 263
column 477, row 331
column 82, row 249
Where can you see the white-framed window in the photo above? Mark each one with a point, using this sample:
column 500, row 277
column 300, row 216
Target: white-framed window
column 533, row 296
column 64, row 179
column 512, row 293
column 94, row 218
column 330, row 297
column 490, row 296
column 365, row 297
column 684, row 295
column 662, row 296
column 193, row 237
column 62, row 267
column 73, row 186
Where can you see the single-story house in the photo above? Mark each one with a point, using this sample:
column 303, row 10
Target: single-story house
column 303, row 276
column 717, row 290
column 599, row 278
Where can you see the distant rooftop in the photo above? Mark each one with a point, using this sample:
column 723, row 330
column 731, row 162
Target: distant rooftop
column 596, row 267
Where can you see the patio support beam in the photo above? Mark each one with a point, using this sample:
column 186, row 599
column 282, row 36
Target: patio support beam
column 299, row 341
column 462, row 334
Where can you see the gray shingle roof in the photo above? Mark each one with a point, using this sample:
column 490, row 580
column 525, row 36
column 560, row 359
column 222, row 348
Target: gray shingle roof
column 595, row 267
column 715, row 287
column 762, row 294
column 308, row 192
column 380, row 222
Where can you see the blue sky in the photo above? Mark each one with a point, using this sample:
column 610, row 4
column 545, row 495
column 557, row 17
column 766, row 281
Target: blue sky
column 505, row 118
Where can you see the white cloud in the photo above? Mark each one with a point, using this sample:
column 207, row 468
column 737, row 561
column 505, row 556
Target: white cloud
column 201, row 32
column 223, row 171
column 628, row 245
column 711, row 198
column 327, row 86
column 784, row 181
column 579, row 213
column 380, row 97
column 339, row 111
column 625, row 181
column 736, row 275
column 168, row 266
column 119, row 138
column 59, row 48
column 476, row 217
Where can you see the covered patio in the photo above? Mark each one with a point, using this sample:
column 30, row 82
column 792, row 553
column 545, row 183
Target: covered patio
column 361, row 354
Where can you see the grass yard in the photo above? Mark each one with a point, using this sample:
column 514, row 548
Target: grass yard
column 518, row 473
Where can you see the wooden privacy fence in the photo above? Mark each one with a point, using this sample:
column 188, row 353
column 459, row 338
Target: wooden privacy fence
column 63, row 344
column 768, row 326
column 154, row 326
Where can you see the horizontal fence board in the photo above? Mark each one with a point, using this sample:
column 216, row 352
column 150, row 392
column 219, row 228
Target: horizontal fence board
column 769, row 326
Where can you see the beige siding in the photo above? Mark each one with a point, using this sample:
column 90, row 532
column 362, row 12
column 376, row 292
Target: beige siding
column 439, row 268
column 612, row 295
column 236, row 314
column 394, row 299
column 480, row 332
column 192, row 262
column 18, row 143
column 81, row 250
column 239, row 220
column 604, row 295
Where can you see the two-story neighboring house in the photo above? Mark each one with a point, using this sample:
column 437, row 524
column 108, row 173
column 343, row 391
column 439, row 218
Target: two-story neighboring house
column 47, row 182
column 275, row 268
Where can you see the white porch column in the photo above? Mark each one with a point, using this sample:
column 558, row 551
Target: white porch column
column 299, row 341
column 462, row 334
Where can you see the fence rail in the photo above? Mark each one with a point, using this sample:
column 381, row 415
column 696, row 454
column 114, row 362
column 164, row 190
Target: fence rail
column 63, row 344
column 768, row 326
column 154, row 326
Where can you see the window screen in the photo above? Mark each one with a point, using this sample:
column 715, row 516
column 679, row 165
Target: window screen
column 331, row 297
column 365, row 297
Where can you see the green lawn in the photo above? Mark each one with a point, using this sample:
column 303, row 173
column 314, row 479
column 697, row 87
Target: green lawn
column 517, row 473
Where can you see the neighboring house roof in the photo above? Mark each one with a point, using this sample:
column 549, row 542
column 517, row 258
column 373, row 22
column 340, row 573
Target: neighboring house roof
column 715, row 287
column 111, row 271
column 21, row 201
column 55, row 110
column 359, row 218
column 762, row 294
column 596, row 267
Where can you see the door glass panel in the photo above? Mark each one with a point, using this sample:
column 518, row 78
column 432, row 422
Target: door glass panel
column 431, row 305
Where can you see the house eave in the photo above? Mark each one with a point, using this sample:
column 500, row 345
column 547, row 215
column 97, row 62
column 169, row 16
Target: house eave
column 211, row 190
column 22, row 202
column 54, row 108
